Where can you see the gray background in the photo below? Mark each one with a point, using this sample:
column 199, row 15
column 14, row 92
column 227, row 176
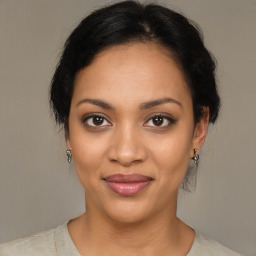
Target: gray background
column 39, row 190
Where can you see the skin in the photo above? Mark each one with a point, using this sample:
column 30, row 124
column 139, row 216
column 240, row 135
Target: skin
column 128, row 140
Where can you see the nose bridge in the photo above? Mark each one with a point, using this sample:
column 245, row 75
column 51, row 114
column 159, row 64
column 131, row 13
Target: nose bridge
column 126, row 146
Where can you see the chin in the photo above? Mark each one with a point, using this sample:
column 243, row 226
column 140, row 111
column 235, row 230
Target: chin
column 124, row 216
column 129, row 210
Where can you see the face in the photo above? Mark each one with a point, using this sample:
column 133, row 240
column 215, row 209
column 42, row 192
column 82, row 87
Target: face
column 132, row 132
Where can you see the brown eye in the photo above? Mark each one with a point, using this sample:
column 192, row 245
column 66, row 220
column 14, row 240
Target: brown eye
column 95, row 121
column 158, row 120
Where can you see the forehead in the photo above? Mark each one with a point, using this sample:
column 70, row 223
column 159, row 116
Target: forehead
column 132, row 71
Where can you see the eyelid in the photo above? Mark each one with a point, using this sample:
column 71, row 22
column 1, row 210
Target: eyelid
column 170, row 119
column 86, row 117
column 91, row 115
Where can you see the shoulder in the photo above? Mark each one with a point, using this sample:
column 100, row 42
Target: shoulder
column 206, row 246
column 48, row 243
column 39, row 244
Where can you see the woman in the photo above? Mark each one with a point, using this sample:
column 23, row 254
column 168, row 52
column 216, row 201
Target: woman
column 135, row 91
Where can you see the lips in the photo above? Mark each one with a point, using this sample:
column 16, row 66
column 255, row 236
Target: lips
column 127, row 185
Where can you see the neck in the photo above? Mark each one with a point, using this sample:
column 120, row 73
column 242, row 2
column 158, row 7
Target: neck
column 159, row 234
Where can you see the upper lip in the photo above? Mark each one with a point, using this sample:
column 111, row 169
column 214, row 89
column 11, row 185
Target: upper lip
column 127, row 178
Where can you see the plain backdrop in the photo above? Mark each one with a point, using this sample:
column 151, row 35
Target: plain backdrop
column 39, row 190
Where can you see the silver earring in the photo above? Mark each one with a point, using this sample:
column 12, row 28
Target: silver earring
column 69, row 155
column 196, row 157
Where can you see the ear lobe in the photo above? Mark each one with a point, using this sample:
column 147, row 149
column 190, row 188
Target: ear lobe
column 201, row 130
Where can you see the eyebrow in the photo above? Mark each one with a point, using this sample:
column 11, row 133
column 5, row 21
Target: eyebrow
column 150, row 104
column 145, row 105
column 96, row 102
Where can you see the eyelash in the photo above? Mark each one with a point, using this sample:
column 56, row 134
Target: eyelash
column 87, row 117
column 169, row 119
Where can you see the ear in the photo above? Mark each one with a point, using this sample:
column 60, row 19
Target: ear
column 68, row 145
column 200, row 132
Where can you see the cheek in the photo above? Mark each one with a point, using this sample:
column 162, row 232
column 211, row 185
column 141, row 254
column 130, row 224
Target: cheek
column 171, row 156
column 88, row 154
column 86, row 151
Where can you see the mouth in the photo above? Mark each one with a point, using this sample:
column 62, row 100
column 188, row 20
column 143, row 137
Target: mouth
column 127, row 185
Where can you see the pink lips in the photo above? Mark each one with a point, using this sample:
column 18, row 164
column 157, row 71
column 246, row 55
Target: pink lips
column 127, row 185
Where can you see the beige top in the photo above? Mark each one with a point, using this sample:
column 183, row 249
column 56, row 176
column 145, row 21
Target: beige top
column 57, row 242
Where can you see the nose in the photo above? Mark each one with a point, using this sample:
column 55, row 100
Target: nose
column 126, row 146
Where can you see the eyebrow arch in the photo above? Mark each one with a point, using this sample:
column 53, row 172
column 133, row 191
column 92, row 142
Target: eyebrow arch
column 145, row 105
column 157, row 102
column 96, row 102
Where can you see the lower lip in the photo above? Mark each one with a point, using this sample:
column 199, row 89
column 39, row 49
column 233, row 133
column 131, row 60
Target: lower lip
column 128, row 189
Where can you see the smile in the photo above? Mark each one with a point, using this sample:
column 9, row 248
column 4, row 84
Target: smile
column 127, row 185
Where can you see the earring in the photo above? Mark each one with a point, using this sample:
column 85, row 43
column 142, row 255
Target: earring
column 196, row 156
column 69, row 155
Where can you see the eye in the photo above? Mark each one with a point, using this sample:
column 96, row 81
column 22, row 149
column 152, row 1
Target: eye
column 160, row 121
column 95, row 120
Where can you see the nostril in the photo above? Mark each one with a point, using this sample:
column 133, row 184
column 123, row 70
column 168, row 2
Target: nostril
column 126, row 146
column 126, row 156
